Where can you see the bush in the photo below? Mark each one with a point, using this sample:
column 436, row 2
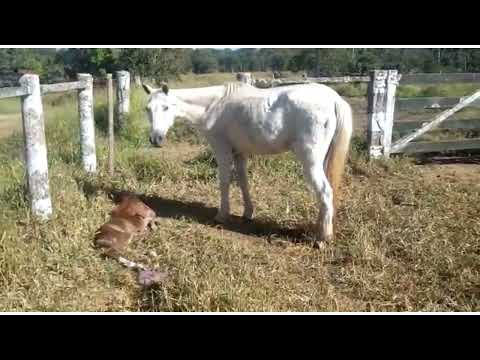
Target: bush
column 440, row 90
column 407, row 91
column 351, row 89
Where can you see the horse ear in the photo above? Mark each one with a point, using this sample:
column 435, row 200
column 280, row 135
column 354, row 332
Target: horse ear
column 165, row 88
column 148, row 89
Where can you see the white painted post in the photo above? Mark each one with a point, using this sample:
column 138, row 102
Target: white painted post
column 137, row 80
column 376, row 110
column 123, row 96
column 381, row 107
column 35, row 147
column 245, row 78
column 87, row 124
column 392, row 82
column 111, row 141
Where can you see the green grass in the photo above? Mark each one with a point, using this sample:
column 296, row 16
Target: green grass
column 397, row 248
column 10, row 120
column 350, row 90
column 438, row 90
column 10, row 106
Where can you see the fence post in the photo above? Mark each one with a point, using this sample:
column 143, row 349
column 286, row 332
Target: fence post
column 392, row 82
column 111, row 141
column 137, row 80
column 123, row 96
column 87, row 125
column 35, row 147
column 246, row 78
column 381, row 104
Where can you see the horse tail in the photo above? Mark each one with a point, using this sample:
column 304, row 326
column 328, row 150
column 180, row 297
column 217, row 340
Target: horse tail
column 339, row 147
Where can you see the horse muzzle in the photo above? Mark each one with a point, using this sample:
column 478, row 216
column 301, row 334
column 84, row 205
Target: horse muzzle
column 156, row 140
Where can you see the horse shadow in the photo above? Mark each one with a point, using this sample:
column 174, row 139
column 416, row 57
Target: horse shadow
column 202, row 214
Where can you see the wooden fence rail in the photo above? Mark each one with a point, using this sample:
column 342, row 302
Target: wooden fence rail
column 450, row 124
column 438, row 146
column 62, row 87
column 13, row 92
column 339, row 79
column 440, row 78
column 423, row 103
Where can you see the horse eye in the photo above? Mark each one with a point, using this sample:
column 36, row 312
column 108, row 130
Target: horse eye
column 165, row 108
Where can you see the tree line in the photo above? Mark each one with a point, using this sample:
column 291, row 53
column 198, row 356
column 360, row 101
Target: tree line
column 165, row 64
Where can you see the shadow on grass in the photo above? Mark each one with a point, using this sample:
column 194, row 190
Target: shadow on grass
column 198, row 212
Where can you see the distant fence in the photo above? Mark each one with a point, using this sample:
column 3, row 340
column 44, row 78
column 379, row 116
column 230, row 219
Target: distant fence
column 30, row 90
column 382, row 104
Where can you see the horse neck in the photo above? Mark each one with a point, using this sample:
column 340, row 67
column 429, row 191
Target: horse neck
column 190, row 112
column 199, row 96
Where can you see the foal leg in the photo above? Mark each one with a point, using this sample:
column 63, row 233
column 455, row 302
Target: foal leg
column 224, row 159
column 241, row 167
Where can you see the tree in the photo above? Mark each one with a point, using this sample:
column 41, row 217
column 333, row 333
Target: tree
column 13, row 59
column 204, row 61
column 159, row 64
column 93, row 61
column 226, row 60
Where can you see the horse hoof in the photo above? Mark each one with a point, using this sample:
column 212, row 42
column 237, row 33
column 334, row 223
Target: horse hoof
column 221, row 219
column 248, row 215
column 247, row 220
column 321, row 242
column 319, row 245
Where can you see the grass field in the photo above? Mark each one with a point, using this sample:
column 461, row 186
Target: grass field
column 408, row 236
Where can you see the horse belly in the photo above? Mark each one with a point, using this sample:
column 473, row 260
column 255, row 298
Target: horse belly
column 259, row 137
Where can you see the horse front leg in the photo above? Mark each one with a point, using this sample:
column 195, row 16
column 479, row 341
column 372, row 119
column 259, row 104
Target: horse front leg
column 241, row 167
column 224, row 159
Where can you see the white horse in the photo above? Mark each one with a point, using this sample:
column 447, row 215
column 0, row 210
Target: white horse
column 239, row 120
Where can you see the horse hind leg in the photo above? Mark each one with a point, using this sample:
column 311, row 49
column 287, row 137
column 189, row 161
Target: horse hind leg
column 324, row 195
column 224, row 159
column 315, row 175
column 241, row 168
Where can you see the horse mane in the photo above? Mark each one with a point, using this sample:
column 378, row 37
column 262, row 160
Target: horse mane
column 234, row 88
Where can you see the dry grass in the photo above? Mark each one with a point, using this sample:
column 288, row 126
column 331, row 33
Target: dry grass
column 408, row 236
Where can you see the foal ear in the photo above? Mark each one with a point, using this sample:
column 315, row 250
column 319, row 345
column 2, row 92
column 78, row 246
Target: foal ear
column 148, row 89
column 165, row 88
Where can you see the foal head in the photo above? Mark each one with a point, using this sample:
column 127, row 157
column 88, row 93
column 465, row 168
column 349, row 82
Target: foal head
column 161, row 110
